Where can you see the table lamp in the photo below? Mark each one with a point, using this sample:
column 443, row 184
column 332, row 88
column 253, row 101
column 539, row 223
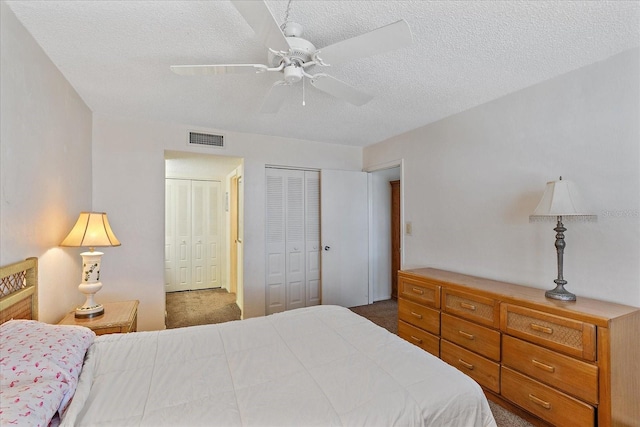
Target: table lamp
column 92, row 229
column 560, row 199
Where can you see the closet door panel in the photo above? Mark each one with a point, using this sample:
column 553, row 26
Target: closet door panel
column 312, row 237
column 192, row 236
column 295, row 245
column 213, row 234
column 293, row 239
column 199, row 214
column 169, row 237
column 183, row 233
column 275, row 241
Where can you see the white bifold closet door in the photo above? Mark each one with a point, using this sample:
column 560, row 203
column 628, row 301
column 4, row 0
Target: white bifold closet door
column 193, row 213
column 292, row 239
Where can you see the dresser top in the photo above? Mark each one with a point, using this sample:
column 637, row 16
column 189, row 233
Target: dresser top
column 596, row 311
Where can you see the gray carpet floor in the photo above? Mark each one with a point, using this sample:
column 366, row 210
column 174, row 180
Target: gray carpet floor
column 190, row 308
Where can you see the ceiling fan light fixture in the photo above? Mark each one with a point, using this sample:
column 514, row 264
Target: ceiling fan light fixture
column 292, row 74
column 295, row 57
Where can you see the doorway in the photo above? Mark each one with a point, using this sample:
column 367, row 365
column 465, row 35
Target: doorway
column 210, row 195
column 386, row 230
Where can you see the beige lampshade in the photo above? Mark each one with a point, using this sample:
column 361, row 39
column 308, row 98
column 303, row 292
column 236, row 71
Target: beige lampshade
column 92, row 229
column 561, row 198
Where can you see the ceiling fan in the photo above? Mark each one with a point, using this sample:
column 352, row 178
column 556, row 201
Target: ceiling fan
column 294, row 57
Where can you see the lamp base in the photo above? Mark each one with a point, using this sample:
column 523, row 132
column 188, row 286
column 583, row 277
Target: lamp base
column 560, row 293
column 89, row 312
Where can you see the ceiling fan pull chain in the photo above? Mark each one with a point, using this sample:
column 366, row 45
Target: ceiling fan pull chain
column 303, row 102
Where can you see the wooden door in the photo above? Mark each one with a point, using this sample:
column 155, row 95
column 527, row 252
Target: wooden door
column 395, row 237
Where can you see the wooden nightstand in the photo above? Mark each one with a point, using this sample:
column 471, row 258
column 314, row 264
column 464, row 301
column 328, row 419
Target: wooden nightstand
column 118, row 317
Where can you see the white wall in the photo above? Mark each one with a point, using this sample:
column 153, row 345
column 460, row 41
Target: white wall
column 128, row 183
column 182, row 165
column 45, row 166
column 471, row 181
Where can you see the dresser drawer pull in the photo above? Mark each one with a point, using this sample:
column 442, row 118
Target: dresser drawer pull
column 467, row 335
column 418, row 291
column 541, row 328
column 468, row 306
column 542, row 366
column 466, row 364
column 416, row 339
column 540, row 402
column 419, row 316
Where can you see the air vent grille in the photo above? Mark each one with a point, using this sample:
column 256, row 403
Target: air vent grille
column 211, row 140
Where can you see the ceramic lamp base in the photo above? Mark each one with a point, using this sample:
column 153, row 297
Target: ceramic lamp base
column 90, row 285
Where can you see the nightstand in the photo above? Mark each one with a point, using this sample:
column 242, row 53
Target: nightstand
column 118, row 317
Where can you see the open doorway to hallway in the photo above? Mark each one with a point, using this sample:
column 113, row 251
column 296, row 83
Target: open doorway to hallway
column 385, row 231
column 203, row 247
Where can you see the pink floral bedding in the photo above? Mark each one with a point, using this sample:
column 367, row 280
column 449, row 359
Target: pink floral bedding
column 39, row 369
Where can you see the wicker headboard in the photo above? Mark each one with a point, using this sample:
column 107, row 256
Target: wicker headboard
column 19, row 290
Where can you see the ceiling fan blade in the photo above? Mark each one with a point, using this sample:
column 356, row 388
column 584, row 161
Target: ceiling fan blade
column 200, row 70
column 383, row 39
column 260, row 18
column 340, row 89
column 275, row 98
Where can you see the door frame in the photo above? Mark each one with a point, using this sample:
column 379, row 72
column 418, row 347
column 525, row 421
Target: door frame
column 372, row 169
column 233, row 235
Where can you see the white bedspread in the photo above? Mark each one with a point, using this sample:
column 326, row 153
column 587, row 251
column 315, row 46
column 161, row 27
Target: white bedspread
column 318, row 366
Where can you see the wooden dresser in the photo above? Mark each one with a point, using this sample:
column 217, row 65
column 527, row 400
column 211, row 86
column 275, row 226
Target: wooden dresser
column 565, row 363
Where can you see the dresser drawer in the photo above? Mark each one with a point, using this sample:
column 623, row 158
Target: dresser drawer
column 422, row 339
column 551, row 405
column 568, row 336
column 485, row 372
column 420, row 291
column 471, row 336
column 420, row 316
column 479, row 309
column 570, row 375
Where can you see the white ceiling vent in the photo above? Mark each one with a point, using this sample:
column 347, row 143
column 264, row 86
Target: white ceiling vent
column 211, row 140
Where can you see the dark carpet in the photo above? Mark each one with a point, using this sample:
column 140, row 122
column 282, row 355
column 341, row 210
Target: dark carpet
column 382, row 313
column 190, row 308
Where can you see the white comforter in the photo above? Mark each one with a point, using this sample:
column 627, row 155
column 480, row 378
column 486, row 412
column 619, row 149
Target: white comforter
column 318, row 366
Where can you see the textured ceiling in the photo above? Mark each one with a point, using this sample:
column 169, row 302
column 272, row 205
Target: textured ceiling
column 117, row 54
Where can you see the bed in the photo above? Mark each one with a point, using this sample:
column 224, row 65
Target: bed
column 322, row 365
